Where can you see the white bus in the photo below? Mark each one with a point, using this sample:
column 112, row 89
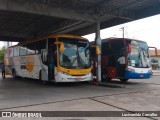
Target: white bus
column 58, row 58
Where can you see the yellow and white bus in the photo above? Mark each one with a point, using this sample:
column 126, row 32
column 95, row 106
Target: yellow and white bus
column 58, row 58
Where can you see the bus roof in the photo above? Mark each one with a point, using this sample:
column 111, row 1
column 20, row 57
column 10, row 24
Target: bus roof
column 49, row 36
column 129, row 39
column 113, row 38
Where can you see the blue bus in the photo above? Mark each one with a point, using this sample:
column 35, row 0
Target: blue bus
column 136, row 58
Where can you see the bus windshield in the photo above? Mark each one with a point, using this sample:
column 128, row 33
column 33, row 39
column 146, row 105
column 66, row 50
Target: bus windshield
column 139, row 56
column 134, row 56
column 76, row 53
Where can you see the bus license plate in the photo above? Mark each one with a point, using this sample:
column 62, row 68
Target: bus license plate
column 78, row 78
column 141, row 76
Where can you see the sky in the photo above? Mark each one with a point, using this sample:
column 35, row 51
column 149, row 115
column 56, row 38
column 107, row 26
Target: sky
column 147, row 29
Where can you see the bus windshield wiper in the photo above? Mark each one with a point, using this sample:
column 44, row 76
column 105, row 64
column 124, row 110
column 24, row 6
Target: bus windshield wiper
column 79, row 60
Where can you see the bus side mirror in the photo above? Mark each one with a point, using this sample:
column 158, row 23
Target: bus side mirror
column 61, row 47
column 98, row 50
column 129, row 48
column 44, row 54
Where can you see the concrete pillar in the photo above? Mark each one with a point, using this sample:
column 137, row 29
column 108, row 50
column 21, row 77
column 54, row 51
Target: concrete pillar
column 98, row 42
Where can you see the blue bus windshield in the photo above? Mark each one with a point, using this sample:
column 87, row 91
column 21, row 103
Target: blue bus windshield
column 139, row 56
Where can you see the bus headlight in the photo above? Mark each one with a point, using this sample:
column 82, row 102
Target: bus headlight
column 131, row 70
column 150, row 71
column 65, row 73
column 88, row 73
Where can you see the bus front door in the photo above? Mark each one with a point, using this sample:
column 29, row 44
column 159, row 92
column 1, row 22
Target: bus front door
column 51, row 59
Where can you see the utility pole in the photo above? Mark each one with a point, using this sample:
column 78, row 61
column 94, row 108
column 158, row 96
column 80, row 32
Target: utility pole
column 7, row 44
column 123, row 30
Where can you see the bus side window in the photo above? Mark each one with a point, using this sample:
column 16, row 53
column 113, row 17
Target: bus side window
column 16, row 51
column 23, row 50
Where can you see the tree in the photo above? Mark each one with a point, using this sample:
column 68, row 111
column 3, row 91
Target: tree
column 2, row 50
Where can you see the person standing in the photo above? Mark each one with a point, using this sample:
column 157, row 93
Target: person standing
column 3, row 70
column 122, row 65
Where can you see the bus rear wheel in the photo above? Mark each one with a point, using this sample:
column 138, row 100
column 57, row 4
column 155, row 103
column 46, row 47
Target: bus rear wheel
column 123, row 80
column 104, row 77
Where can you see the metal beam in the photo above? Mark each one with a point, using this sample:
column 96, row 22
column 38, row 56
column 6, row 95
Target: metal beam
column 45, row 9
column 11, row 39
column 5, row 34
column 116, row 8
column 59, row 27
column 109, row 5
column 123, row 13
column 148, row 12
column 77, row 5
column 21, row 30
column 10, row 21
column 91, row 28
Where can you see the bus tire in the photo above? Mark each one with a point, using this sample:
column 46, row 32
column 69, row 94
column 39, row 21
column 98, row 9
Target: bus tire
column 104, row 76
column 40, row 77
column 14, row 75
column 124, row 80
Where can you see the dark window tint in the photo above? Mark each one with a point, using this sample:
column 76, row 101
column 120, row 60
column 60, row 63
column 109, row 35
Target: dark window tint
column 30, row 49
column 39, row 46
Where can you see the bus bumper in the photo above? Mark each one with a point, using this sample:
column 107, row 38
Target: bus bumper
column 134, row 75
column 68, row 78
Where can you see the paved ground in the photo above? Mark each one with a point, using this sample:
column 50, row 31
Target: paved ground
column 156, row 72
column 32, row 95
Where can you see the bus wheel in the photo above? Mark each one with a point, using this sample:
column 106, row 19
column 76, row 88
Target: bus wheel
column 124, row 80
column 40, row 78
column 14, row 74
column 104, row 77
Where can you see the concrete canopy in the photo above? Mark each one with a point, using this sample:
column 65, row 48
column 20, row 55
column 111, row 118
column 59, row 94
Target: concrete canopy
column 23, row 19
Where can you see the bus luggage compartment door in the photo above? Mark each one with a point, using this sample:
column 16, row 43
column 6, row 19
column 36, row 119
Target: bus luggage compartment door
column 111, row 72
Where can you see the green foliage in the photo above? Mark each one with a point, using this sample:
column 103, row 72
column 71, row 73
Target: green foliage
column 2, row 50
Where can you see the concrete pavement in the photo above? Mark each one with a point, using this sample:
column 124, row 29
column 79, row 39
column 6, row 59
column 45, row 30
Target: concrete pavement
column 156, row 72
column 32, row 95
